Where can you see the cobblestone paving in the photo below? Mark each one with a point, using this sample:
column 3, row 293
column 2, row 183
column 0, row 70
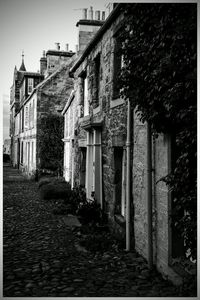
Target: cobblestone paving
column 42, row 256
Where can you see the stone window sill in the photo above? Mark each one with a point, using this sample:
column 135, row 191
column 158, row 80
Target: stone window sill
column 96, row 110
column 116, row 102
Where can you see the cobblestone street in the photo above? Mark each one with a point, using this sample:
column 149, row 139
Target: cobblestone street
column 42, row 255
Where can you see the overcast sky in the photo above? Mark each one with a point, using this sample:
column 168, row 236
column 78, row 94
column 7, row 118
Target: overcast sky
column 34, row 26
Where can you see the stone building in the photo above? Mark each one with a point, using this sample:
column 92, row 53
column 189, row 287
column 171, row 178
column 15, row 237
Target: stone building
column 39, row 94
column 6, row 146
column 24, row 84
column 113, row 154
column 14, row 106
column 87, row 28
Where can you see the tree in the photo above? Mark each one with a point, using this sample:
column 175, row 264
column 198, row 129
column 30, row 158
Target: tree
column 159, row 48
column 50, row 142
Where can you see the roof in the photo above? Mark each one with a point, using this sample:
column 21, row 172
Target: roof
column 22, row 68
column 46, row 80
column 31, row 74
column 98, row 36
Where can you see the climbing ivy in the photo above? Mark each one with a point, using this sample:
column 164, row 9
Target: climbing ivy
column 50, row 142
column 159, row 47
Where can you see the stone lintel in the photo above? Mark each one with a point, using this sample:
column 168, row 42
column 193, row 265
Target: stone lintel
column 118, row 141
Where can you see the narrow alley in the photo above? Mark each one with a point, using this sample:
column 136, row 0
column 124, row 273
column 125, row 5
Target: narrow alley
column 42, row 255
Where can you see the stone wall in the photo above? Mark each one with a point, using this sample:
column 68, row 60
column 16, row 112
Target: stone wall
column 160, row 198
column 52, row 96
column 139, row 185
column 112, row 113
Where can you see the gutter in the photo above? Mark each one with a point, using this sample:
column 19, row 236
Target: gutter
column 98, row 35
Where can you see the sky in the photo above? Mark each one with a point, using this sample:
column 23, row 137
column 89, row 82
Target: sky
column 34, row 26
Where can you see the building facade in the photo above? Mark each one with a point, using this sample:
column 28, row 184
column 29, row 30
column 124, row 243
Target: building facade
column 73, row 160
column 113, row 155
column 39, row 94
column 14, row 107
column 6, row 146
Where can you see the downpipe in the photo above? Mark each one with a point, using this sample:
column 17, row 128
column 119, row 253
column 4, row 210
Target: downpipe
column 128, row 152
column 149, row 197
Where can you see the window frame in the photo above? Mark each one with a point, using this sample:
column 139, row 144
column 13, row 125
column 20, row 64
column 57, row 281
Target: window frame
column 30, row 85
column 97, row 80
column 118, row 63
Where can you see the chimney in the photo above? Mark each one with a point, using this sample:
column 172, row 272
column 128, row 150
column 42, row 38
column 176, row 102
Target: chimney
column 76, row 48
column 97, row 15
column 66, row 47
column 87, row 28
column 43, row 64
column 84, row 13
column 57, row 46
column 90, row 17
column 103, row 16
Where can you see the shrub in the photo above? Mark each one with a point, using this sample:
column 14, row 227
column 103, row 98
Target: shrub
column 49, row 179
column 77, row 198
column 90, row 212
column 55, row 189
column 6, row 157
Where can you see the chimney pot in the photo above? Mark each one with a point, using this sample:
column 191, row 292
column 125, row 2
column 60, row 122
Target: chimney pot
column 84, row 13
column 90, row 17
column 67, row 47
column 103, row 16
column 97, row 15
column 76, row 48
column 57, row 46
column 43, row 53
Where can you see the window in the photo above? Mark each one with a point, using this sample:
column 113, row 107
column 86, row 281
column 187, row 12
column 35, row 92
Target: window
column 118, row 62
column 22, row 120
column 97, row 81
column 70, row 120
column 83, row 167
column 33, row 113
column 30, row 85
column 85, row 96
column 22, row 91
column 67, row 123
column 30, row 116
column 119, row 180
column 26, row 117
column 84, row 104
column 22, row 149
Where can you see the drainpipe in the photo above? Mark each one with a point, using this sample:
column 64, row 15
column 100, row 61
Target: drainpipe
column 128, row 149
column 149, row 197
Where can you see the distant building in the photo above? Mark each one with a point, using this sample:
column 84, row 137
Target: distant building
column 6, row 146
column 38, row 95
column 14, row 106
